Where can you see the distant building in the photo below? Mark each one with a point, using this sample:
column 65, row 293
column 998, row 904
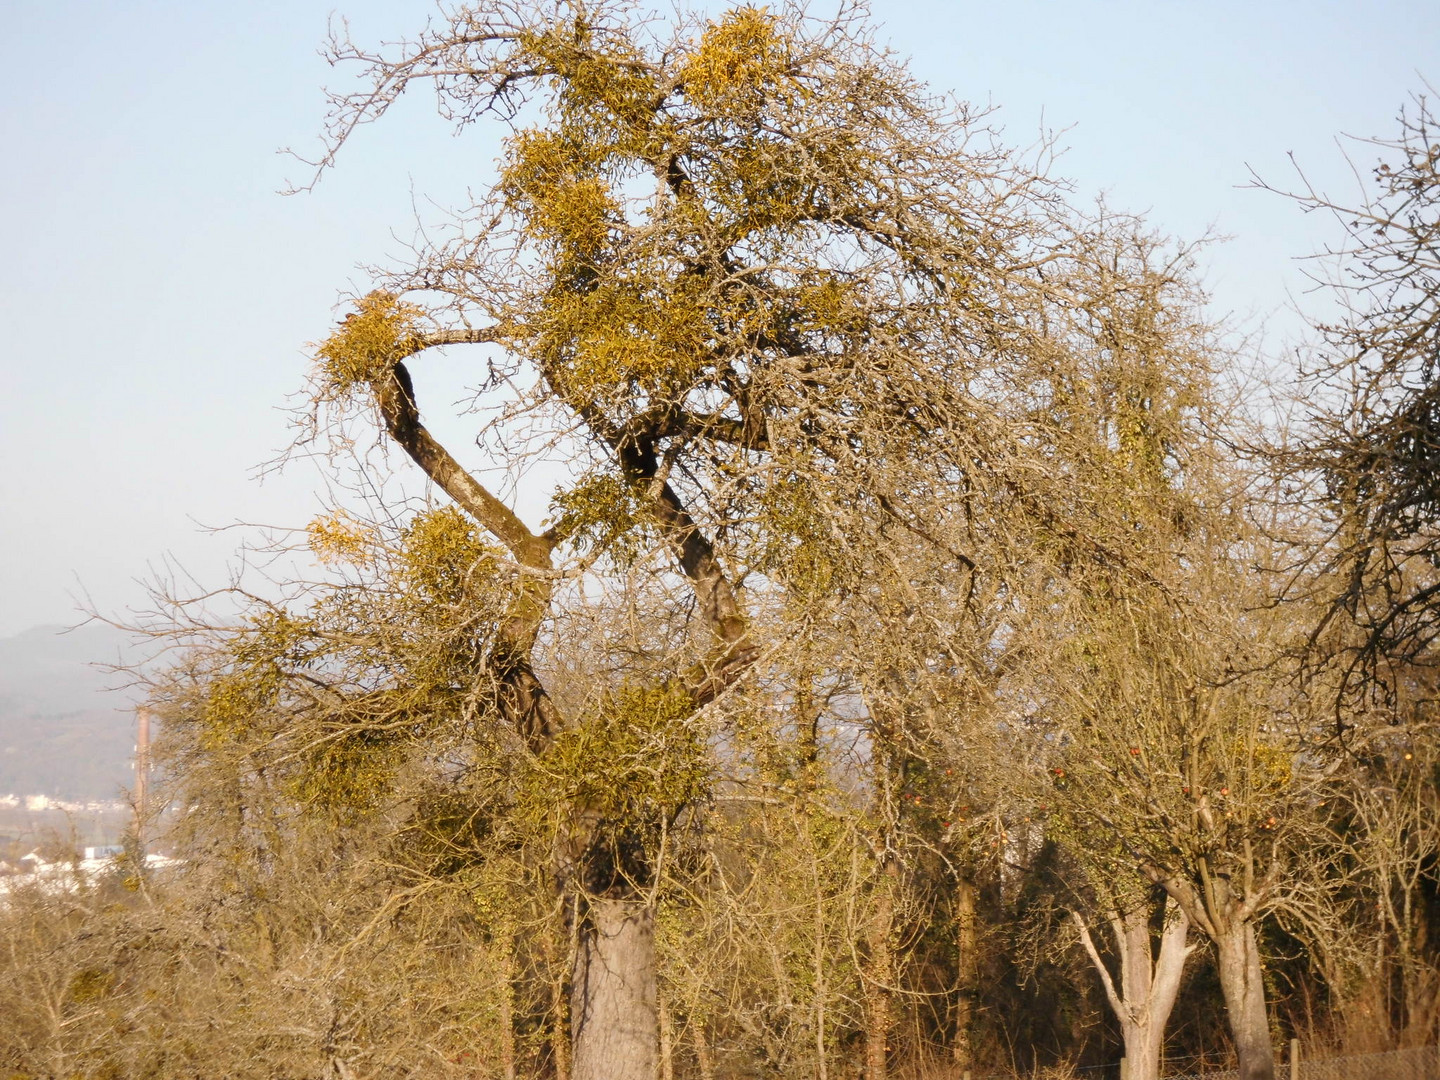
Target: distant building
column 70, row 876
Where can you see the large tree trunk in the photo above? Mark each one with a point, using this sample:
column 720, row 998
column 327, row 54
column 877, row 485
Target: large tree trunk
column 1169, row 968
column 1237, row 955
column 614, row 1024
column 1148, row 985
column 1157, row 985
column 1227, row 917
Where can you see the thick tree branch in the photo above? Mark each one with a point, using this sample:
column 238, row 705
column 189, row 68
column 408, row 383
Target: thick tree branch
column 523, row 699
column 725, row 429
column 395, row 396
column 1089, row 945
column 1170, row 964
column 669, row 421
column 714, row 594
column 1185, row 895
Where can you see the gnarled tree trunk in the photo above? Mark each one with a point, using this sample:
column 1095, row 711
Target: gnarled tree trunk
column 614, row 1025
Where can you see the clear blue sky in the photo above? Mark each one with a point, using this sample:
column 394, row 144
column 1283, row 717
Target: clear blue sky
column 156, row 294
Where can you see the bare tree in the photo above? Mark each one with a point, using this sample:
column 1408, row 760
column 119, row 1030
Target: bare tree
column 1155, row 710
column 1149, row 979
column 1367, row 461
column 1391, row 828
column 862, row 438
column 766, row 296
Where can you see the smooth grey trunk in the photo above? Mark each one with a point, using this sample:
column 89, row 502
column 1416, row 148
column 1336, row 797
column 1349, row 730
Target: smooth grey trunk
column 1242, row 982
column 614, row 1021
column 1149, row 984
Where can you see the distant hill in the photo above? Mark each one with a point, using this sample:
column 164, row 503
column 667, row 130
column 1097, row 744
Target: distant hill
column 64, row 730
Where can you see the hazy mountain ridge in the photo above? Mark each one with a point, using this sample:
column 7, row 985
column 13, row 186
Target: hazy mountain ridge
column 65, row 728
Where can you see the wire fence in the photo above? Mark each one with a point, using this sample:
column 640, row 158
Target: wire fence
column 1417, row 1063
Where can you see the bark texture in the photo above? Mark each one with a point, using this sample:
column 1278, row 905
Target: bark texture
column 614, row 1021
column 1237, row 956
column 1225, row 911
column 968, row 968
column 880, row 977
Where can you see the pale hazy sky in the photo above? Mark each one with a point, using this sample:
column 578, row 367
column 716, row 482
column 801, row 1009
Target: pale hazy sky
column 156, row 294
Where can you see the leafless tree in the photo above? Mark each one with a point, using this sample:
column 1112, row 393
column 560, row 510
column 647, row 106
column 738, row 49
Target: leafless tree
column 1367, row 461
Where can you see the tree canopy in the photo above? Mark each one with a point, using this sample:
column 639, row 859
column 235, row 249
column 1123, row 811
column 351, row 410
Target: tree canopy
column 900, row 591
